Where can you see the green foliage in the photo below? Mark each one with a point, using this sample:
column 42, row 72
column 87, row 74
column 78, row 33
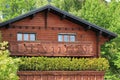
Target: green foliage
column 13, row 8
column 117, row 60
column 8, row 65
column 72, row 64
column 68, row 5
column 106, row 15
column 110, row 76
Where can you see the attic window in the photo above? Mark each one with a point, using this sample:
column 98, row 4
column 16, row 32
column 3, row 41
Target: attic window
column 66, row 37
column 26, row 36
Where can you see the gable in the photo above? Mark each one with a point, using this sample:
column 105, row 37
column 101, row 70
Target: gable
column 63, row 15
column 39, row 21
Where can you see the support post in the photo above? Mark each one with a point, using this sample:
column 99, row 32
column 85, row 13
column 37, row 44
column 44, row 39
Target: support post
column 98, row 34
column 46, row 17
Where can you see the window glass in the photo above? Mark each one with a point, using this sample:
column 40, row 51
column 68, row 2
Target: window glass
column 19, row 37
column 72, row 38
column 32, row 37
column 66, row 38
column 26, row 37
column 60, row 38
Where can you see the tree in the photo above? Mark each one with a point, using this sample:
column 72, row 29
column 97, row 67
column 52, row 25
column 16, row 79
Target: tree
column 8, row 65
column 13, row 8
column 40, row 3
column 71, row 6
column 106, row 15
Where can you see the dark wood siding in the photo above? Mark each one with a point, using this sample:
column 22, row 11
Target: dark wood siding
column 61, row 75
column 54, row 26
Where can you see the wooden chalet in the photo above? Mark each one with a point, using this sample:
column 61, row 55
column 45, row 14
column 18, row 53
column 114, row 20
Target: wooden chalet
column 49, row 31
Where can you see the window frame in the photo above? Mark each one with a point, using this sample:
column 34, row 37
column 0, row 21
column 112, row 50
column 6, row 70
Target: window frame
column 68, row 35
column 23, row 39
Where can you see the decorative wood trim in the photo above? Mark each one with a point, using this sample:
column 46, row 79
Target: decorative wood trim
column 38, row 48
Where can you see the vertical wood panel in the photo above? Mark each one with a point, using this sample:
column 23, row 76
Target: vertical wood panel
column 72, row 77
column 58, row 78
column 92, row 78
column 99, row 78
column 23, row 78
column 51, row 77
column 66, row 78
column 61, row 75
column 44, row 77
column 37, row 77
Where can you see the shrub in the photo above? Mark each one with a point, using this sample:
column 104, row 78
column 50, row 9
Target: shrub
column 63, row 64
column 8, row 65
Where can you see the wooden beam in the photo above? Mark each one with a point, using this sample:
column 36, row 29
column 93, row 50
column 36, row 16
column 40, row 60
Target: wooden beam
column 46, row 18
column 63, row 17
column 32, row 16
column 7, row 26
column 88, row 28
column 109, row 37
column 98, row 34
column 48, row 9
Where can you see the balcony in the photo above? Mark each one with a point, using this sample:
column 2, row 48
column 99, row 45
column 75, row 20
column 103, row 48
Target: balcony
column 37, row 48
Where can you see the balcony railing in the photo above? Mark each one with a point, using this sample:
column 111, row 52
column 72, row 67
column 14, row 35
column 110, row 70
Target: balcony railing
column 83, row 48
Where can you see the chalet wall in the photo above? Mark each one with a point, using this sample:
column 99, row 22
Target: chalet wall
column 54, row 26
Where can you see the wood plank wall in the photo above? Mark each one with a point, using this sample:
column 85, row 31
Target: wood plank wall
column 61, row 75
column 54, row 26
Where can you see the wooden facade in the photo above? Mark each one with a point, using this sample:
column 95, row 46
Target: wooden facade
column 46, row 24
column 85, row 40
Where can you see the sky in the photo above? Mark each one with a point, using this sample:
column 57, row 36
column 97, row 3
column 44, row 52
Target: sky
column 108, row 0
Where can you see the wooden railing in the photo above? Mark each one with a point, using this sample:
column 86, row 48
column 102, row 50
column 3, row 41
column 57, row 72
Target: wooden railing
column 83, row 48
column 61, row 75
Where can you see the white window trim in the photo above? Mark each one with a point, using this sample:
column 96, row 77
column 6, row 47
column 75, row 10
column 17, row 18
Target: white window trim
column 23, row 36
column 69, row 34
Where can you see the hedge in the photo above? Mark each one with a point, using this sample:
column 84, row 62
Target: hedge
column 62, row 64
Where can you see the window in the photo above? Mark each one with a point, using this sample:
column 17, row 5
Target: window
column 32, row 37
column 19, row 37
column 26, row 36
column 60, row 38
column 66, row 37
